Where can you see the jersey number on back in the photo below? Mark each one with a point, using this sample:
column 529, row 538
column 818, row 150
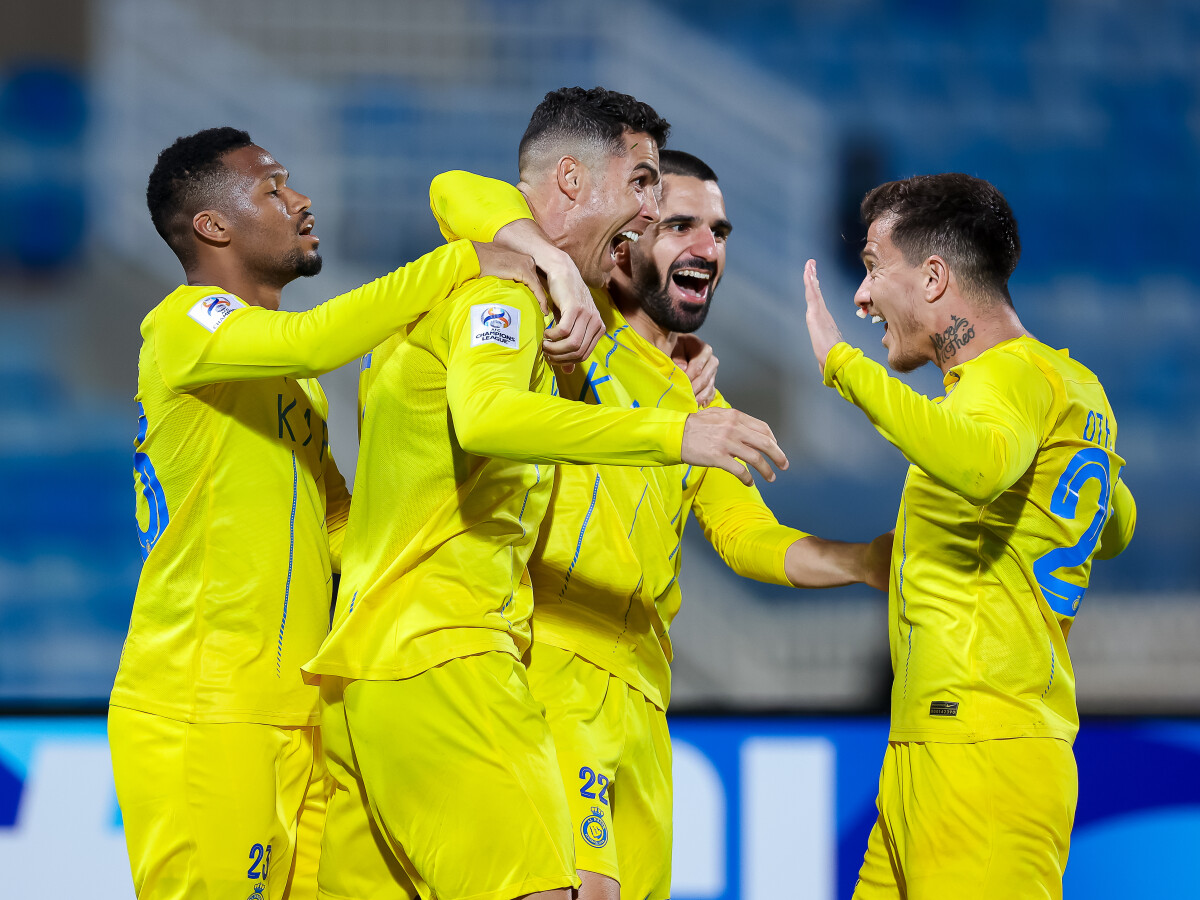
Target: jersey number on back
column 1064, row 598
column 156, row 500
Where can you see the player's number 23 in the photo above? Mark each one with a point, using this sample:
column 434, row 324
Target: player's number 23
column 1092, row 462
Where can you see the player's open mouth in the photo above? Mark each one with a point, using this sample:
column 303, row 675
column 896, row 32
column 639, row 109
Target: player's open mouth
column 693, row 283
column 307, row 228
column 875, row 317
column 620, row 239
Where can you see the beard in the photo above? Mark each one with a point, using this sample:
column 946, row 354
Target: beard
column 281, row 270
column 653, row 293
column 303, row 265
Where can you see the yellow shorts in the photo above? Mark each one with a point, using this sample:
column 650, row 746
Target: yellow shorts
column 459, row 769
column 230, row 810
column 614, row 753
column 985, row 820
column 356, row 861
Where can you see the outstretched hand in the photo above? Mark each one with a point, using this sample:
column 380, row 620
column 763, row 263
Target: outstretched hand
column 725, row 439
column 822, row 329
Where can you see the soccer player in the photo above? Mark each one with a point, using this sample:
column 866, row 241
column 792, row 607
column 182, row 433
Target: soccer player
column 605, row 569
column 459, row 430
column 241, row 513
column 1013, row 490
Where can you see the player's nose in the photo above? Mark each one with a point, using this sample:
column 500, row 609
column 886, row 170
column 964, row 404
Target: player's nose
column 649, row 210
column 705, row 244
column 862, row 297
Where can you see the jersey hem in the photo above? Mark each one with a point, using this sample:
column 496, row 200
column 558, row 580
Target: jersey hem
column 218, row 717
column 639, row 683
column 500, row 642
column 932, row 736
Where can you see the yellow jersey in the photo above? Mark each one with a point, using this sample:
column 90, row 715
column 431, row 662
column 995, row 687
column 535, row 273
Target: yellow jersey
column 1014, row 475
column 605, row 568
column 460, row 434
column 240, row 507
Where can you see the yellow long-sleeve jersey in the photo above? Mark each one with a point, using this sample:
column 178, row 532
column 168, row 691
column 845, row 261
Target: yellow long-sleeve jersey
column 240, row 507
column 460, row 434
column 1014, row 475
column 605, row 568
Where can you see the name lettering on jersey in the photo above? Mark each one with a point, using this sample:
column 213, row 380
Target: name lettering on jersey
column 283, row 420
column 212, row 310
column 949, row 342
column 1098, row 430
column 943, row 708
column 495, row 325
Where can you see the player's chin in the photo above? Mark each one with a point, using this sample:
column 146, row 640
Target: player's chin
column 309, row 264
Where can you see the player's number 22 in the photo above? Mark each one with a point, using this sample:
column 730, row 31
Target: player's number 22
column 1092, row 462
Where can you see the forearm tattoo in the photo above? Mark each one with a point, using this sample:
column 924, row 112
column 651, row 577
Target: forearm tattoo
column 953, row 339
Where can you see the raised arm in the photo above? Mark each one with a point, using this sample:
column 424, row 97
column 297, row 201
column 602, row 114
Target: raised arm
column 752, row 542
column 252, row 342
column 485, row 209
column 496, row 414
column 979, row 446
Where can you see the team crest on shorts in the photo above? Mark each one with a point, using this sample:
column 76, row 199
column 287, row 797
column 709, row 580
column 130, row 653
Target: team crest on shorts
column 259, row 892
column 594, row 830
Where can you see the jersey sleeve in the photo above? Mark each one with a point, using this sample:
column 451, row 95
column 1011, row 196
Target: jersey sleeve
column 472, row 206
column 252, row 342
column 1118, row 530
column 337, row 511
column 740, row 526
column 978, row 446
column 495, row 413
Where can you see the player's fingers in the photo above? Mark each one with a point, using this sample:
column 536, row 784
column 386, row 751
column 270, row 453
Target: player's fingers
column 734, row 467
column 812, row 287
column 562, row 326
column 531, row 280
column 592, row 337
column 755, row 425
column 765, row 443
column 756, row 461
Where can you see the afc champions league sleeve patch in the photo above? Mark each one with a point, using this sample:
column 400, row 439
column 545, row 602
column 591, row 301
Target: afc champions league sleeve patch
column 212, row 310
column 493, row 324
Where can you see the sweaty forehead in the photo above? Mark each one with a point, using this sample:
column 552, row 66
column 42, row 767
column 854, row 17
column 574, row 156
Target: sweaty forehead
column 253, row 162
column 640, row 149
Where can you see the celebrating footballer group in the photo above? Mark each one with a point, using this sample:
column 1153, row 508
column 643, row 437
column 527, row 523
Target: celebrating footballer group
column 482, row 716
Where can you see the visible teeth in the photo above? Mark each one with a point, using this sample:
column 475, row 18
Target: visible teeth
column 875, row 320
column 695, row 273
column 630, row 236
column 861, row 313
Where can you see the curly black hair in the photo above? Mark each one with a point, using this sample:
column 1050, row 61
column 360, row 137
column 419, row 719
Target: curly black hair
column 963, row 219
column 594, row 115
column 184, row 180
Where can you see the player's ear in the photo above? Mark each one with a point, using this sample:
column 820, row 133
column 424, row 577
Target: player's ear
column 571, row 174
column 210, row 227
column 937, row 278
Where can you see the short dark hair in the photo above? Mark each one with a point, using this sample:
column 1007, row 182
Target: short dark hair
column 963, row 219
column 595, row 115
column 676, row 162
column 184, row 180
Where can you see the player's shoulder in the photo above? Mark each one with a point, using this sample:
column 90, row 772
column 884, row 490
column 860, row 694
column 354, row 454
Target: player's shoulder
column 494, row 305
column 206, row 306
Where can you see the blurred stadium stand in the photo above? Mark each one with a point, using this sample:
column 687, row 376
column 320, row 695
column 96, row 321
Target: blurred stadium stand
column 1086, row 115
